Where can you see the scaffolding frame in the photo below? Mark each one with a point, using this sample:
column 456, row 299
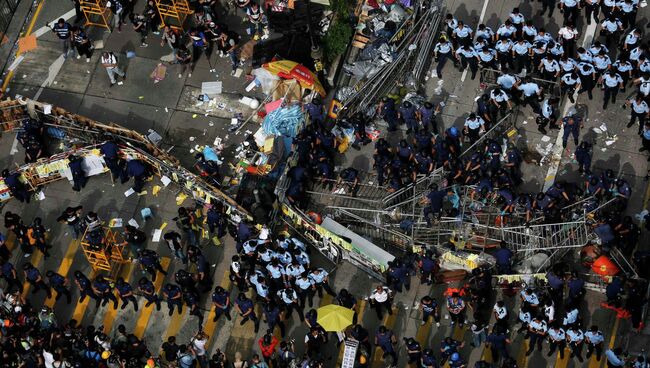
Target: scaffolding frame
column 173, row 13
column 111, row 257
column 96, row 12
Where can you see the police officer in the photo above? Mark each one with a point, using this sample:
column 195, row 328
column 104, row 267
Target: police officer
column 537, row 331
column 449, row 347
column 388, row 112
column 556, row 339
column 487, row 57
column 173, row 295
column 148, row 290
column 111, row 153
column 315, row 110
column 59, row 284
column 501, row 314
column 413, row 349
column 522, row 53
column 272, row 314
column 385, row 339
column 442, row 51
column 78, row 175
column 548, row 114
column 497, row 341
column 583, row 156
column 139, row 171
column 305, row 288
column 125, row 290
column 104, row 291
column 33, row 276
column 16, row 187
column 85, row 287
column 474, row 127
column 587, row 74
column 290, row 299
column 246, row 310
column 549, row 68
column 468, row 57
column 568, row 85
column 575, row 337
column 8, row 272
column 594, row 339
column 572, row 125
column 639, row 111
column 462, row 34
column 150, row 262
column 427, row 115
column 221, row 301
column 531, row 92
column 407, row 112
column 430, row 308
column 504, row 50
column 321, row 281
column 191, row 298
column 63, row 31
column 611, row 82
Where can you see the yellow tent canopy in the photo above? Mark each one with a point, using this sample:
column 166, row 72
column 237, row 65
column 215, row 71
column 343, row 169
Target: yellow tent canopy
column 288, row 69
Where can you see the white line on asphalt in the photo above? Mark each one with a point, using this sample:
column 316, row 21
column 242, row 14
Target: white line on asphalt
column 43, row 30
column 480, row 20
column 14, row 146
column 556, row 155
column 51, row 74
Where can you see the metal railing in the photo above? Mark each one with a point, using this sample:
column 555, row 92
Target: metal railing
column 489, row 77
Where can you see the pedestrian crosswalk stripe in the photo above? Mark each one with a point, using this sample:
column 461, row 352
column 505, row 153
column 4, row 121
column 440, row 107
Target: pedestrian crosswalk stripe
column 145, row 315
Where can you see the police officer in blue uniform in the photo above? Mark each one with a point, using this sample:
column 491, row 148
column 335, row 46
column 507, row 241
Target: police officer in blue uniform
column 139, row 171
column 104, row 291
column 583, row 156
column 572, row 125
column 8, row 272
column 85, row 287
column 272, row 314
column 315, row 110
column 389, row 113
column 78, row 174
column 407, row 113
column 246, row 310
column 59, row 284
column 111, row 153
column 174, row 296
column 125, row 290
column 191, row 298
column 148, row 290
column 221, row 301
column 385, row 339
column 427, row 115
column 150, row 262
column 33, row 276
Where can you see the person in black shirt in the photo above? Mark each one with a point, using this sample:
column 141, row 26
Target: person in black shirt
column 170, row 349
column 347, row 300
column 134, row 238
column 72, row 217
column 102, row 288
column 85, row 287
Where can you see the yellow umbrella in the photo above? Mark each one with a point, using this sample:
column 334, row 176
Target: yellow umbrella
column 334, row 318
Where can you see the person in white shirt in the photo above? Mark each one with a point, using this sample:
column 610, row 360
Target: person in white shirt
column 568, row 34
column 501, row 314
column 109, row 61
column 381, row 299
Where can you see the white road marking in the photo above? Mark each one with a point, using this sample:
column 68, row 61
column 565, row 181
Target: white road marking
column 14, row 146
column 480, row 20
column 43, row 30
column 51, row 74
column 556, row 155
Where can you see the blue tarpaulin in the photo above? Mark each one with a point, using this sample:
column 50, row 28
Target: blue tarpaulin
column 284, row 121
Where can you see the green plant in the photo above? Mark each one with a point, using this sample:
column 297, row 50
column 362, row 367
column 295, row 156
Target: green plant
column 340, row 32
column 336, row 40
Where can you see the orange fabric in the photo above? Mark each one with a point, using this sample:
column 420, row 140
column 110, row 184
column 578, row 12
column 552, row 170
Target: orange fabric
column 268, row 350
column 603, row 266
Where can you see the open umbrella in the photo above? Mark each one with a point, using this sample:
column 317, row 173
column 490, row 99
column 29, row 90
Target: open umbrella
column 288, row 69
column 334, row 318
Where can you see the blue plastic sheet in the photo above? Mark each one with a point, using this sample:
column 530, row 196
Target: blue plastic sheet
column 285, row 121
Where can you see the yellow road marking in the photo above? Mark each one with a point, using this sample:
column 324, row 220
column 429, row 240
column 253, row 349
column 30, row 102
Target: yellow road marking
column 29, row 31
column 35, row 260
column 64, row 268
column 111, row 312
column 175, row 322
column 80, row 308
column 143, row 319
column 522, row 359
column 562, row 363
